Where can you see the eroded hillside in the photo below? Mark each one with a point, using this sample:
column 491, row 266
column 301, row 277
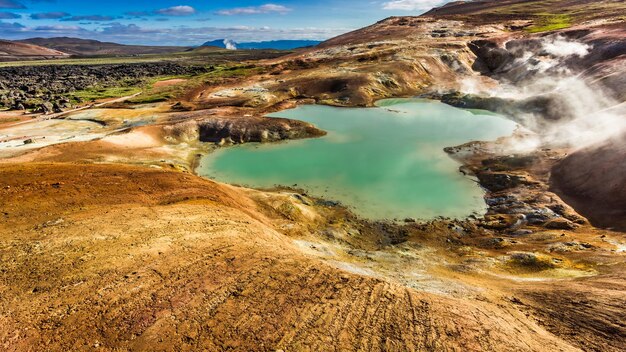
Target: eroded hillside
column 168, row 259
column 13, row 51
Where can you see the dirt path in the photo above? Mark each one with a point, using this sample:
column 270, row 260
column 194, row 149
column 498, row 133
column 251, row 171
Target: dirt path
column 67, row 112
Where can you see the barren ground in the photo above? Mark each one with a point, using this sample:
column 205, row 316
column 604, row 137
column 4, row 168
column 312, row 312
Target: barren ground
column 118, row 257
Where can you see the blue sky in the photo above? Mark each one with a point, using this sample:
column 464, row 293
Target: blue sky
column 193, row 22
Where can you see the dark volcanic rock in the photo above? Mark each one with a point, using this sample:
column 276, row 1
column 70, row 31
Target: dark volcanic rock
column 28, row 87
column 490, row 57
column 560, row 224
column 539, row 217
column 496, row 182
column 593, row 181
column 254, row 129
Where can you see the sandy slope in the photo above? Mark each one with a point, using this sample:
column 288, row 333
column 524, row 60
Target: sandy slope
column 119, row 257
column 15, row 51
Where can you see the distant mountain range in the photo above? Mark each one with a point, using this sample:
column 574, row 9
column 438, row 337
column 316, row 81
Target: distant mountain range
column 88, row 47
column 60, row 47
column 274, row 44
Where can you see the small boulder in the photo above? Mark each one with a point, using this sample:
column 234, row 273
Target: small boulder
column 560, row 224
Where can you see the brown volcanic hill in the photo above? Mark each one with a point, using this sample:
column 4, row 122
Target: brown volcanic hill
column 88, row 47
column 10, row 51
column 544, row 15
column 593, row 181
column 493, row 10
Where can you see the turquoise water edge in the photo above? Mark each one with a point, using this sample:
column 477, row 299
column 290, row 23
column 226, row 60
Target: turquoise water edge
column 383, row 163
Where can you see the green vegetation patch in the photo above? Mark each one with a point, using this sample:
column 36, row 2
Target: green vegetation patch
column 201, row 56
column 152, row 94
column 154, row 97
column 550, row 22
column 557, row 14
column 531, row 262
column 84, row 61
column 97, row 93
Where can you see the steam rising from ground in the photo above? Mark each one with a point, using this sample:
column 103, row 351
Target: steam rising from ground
column 230, row 45
column 560, row 104
column 561, row 47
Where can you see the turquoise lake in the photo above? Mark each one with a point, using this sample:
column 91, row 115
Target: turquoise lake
column 383, row 163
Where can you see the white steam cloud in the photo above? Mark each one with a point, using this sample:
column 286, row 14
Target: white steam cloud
column 230, row 45
column 586, row 114
column 561, row 47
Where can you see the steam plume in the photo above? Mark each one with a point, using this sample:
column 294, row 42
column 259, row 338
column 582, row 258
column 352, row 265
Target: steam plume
column 230, row 45
column 561, row 105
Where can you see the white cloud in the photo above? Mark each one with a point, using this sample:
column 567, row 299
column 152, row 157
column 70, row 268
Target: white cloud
column 182, row 10
column 58, row 28
column 184, row 36
column 254, row 10
column 412, row 5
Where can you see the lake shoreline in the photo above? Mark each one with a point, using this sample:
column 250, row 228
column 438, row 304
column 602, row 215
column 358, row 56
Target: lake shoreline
column 374, row 144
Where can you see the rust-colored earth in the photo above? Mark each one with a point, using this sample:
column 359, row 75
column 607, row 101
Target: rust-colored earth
column 116, row 257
